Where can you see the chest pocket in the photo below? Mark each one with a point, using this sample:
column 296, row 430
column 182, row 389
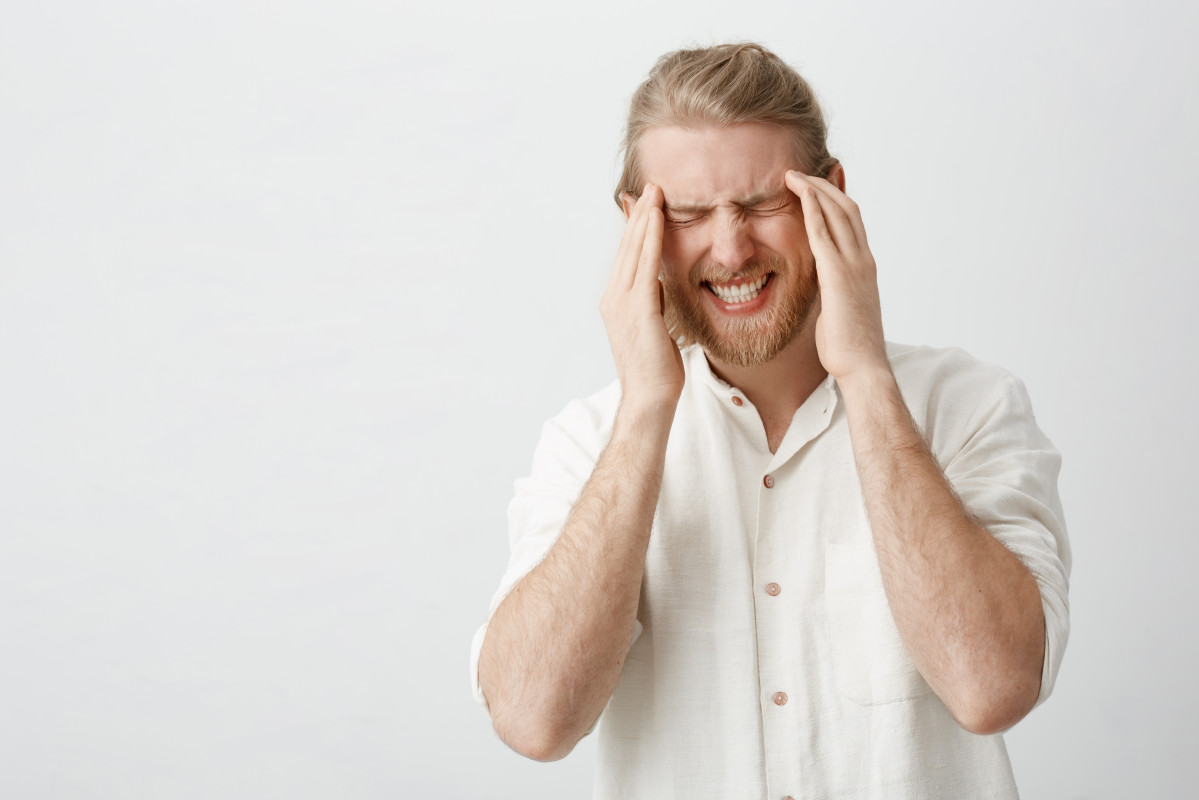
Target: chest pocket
column 869, row 658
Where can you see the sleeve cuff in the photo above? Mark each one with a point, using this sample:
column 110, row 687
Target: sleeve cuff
column 476, row 647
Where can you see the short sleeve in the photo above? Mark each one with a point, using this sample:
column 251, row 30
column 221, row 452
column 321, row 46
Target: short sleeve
column 1006, row 473
column 566, row 454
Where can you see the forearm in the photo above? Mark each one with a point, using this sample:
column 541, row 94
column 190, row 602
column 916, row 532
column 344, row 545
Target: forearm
column 554, row 648
column 968, row 610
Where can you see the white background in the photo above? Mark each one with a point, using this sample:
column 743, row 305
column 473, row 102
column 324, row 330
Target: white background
column 287, row 289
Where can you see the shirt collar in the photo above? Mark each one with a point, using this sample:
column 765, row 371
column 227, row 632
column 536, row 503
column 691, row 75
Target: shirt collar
column 699, row 369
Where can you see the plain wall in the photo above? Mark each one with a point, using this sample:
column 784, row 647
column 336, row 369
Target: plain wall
column 287, row 290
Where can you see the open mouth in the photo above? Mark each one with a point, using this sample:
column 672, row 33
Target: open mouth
column 735, row 293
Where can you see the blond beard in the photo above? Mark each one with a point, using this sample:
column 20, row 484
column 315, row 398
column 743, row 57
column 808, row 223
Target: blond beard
column 748, row 342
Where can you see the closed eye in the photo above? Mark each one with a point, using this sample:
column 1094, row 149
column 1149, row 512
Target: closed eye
column 682, row 220
column 772, row 208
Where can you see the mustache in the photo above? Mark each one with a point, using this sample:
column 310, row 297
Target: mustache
column 707, row 272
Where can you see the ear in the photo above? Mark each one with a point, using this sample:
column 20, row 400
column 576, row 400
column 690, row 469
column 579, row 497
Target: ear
column 836, row 176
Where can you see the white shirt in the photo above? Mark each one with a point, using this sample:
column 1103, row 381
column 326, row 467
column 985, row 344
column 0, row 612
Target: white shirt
column 765, row 662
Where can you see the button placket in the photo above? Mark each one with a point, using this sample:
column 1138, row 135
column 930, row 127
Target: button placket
column 772, row 620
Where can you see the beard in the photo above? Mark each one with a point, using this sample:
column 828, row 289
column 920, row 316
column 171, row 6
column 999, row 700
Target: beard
column 748, row 341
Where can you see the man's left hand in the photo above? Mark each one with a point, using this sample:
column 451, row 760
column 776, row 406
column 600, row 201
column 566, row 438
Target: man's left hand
column 849, row 330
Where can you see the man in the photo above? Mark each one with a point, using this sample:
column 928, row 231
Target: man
column 788, row 559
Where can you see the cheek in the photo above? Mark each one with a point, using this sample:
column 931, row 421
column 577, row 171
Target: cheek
column 784, row 234
column 680, row 246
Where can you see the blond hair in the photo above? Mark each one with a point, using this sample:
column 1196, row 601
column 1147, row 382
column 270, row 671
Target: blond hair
column 724, row 85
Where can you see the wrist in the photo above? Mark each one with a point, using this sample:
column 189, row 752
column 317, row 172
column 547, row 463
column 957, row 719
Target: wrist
column 867, row 381
column 645, row 416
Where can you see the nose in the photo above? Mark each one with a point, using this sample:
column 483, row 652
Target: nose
column 732, row 245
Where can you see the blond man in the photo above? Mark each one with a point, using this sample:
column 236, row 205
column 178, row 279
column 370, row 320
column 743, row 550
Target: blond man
column 780, row 557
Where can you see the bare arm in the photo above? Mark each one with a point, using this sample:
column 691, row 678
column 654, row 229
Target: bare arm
column 968, row 610
column 554, row 648
column 556, row 645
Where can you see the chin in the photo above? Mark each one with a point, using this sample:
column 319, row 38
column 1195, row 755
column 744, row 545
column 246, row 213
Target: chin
column 750, row 342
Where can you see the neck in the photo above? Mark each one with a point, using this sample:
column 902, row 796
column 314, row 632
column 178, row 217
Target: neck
column 779, row 387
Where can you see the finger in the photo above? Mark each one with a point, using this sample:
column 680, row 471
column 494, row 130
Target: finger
column 847, row 205
column 836, row 220
column 649, row 207
column 813, row 219
column 626, row 240
column 650, row 263
column 625, row 268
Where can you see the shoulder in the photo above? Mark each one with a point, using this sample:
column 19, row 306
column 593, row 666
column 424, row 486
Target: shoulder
column 950, row 392
column 946, row 376
column 587, row 421
column 920, row 365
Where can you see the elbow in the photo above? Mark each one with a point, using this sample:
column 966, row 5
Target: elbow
column 533, row 732
column 537, row 742
column 989, row 712
column 535, row 736
column 999, row 692
column 544, row 750
column 988, row 721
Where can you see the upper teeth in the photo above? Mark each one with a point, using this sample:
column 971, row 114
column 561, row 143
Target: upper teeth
column 739, row 294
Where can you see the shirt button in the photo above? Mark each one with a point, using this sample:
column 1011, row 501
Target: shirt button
column 780, row 698
column 773, row 589
column 736, row 400
column 768, row 481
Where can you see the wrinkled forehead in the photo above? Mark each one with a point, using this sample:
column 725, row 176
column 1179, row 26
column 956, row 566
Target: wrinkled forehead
column 707, row 166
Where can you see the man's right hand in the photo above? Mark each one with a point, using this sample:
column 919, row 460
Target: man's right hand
column 556, row 644
column 648, row 361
